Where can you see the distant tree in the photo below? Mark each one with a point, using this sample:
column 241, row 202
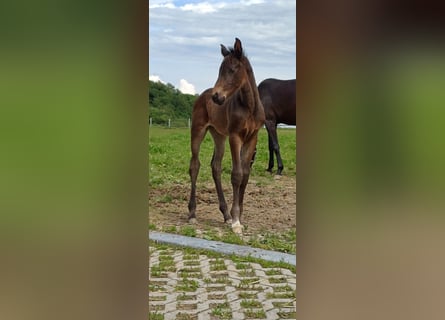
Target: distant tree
column 167, row 102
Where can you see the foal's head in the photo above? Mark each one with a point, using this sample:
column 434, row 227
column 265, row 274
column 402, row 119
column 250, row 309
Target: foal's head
column 232, row 73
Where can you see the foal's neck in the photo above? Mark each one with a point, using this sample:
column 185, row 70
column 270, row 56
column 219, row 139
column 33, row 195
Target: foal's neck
column 249, row 91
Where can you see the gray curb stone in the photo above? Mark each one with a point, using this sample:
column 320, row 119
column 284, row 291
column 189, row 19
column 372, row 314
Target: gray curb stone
column 222, row 247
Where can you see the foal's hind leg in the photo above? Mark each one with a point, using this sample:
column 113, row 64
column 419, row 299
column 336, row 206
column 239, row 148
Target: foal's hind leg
column 218, row 154
column 197, row 135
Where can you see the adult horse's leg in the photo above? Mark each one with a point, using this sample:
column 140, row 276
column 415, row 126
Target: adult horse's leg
column 236, row 178
column 197, row 135
column 272, row 130
column 271, row 151
column 218, row 154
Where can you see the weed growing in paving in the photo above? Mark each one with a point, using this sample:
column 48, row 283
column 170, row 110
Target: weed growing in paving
column 249, row 281
column 273, row 272
column 247, row 273
column 286, row 295
column 248, row 287
column 190, row 257
column 250, row 304
column 217, row 265
column 166, row 258
column 242, row 266
column 224, row 280
column 257, row 314
column 187, row 285
column 287, row 315
column 155, row 316
column 277, row 280
column 278, row 304
column 222, row 311
column 168, row 266
column 191, row 263
column 157, row 272
column 246, row 295
column 186, row 316
column 282, row 288
column 154, row 287
column 184, row 296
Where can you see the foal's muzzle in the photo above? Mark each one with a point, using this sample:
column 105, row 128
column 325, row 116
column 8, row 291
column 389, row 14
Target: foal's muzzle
column 218, row 99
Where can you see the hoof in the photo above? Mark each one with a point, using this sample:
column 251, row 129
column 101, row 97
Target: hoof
column 192, row 220
column 228, row 221
column 277, row 177
column 237, row 228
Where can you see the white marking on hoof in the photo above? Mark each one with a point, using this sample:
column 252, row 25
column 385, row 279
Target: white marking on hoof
column 229, row 221
column 237, row 227
column 192, row 220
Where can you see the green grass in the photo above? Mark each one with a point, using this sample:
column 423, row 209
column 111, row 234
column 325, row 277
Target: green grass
column 283, row 242
column 188, row 231
column 169, row 157
column 169, row 229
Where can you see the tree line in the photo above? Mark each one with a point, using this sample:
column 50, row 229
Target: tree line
column 167, row 102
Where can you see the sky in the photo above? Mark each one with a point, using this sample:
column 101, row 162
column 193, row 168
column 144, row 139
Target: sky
column 185, row 38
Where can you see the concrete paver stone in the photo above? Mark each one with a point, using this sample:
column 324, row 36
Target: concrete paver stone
column 205, row 288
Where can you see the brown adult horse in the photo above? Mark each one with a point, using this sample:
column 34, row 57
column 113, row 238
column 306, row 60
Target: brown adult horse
column 279, row 102
column 232, row 108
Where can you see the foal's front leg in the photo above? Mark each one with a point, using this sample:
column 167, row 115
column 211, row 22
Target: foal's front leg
column 197, row 135
column 236, row 178
column 247, row 155
column 218, row 154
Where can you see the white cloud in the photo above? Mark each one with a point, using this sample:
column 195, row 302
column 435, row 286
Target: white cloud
column 161, row 4
column 251, row 2
column 155, row 78
column 186, row 87
column 203, row 7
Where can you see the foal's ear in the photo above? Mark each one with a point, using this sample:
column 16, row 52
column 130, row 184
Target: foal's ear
column 224, row 51
column 238, row 49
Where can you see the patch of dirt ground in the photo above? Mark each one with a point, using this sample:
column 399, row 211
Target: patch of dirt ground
column 270, row 207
